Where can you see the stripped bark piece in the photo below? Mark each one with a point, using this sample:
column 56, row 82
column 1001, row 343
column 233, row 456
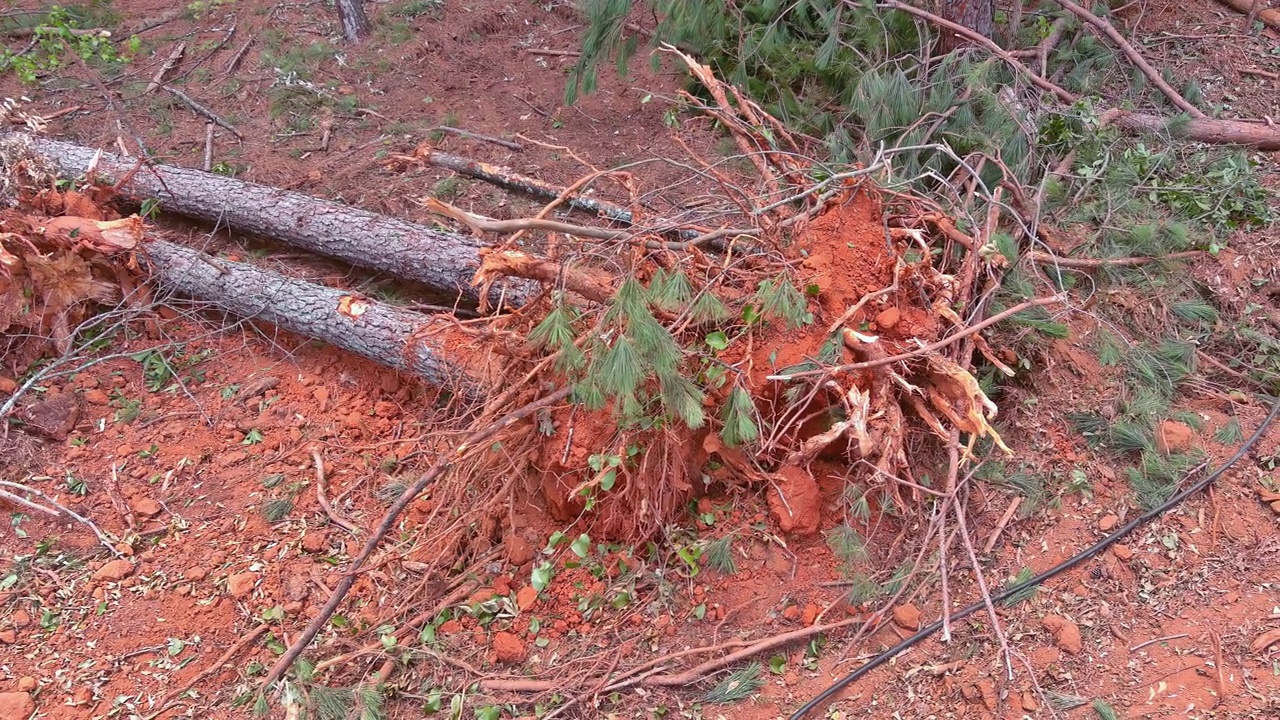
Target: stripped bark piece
column 956, row 394
column 496, row 264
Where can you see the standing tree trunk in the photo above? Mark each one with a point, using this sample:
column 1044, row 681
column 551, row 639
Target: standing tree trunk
column 355, row 24
column 977, row 15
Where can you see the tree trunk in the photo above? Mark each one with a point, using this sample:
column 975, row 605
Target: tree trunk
column 1206, row 130
column 977, row 15
column 441, row 260
column 355, row 24
column 382, row 333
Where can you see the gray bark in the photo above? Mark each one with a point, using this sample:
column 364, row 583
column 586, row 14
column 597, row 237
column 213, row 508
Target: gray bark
column 381, row 333
column 355, row 24
column 443, row 261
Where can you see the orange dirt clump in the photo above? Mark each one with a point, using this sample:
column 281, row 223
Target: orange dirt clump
column 848, row 256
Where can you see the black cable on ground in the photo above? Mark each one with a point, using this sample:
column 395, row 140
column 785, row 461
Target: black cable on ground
column 1056, row 570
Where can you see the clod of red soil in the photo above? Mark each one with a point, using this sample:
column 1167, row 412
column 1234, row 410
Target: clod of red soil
column 987, row 691
column 196, row 574
column 16, row 705
column 907, row 616
column 114, row 571
column 96, row 397
column 7, row 385
column 145, row 507
column 502, row 585
column 479, row 596
column 1028, row 701
column 1108, row 522
column 810, row 614
column 1065, row 633
column 26, row 683
column 8, row 637
column 507, row 648
column 315, row 542
column 790, row 612
column 20, row 619
column 82, row 696
column 795, row 501
column 1122, row 552
column 448, row 627
column 1174, row 437
column 519, row 551
column 241, row 584
column 54, row 417
column 888, row 318
column 293, row 608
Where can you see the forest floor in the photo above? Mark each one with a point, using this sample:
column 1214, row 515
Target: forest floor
column 1160, row 626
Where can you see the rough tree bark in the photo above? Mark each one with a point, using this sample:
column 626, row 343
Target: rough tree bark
column 355, row 24
column 441, row 260
column 977, row 15
column 380, row 332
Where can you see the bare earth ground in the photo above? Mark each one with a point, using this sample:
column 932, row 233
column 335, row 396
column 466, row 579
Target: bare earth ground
column 1159, row 627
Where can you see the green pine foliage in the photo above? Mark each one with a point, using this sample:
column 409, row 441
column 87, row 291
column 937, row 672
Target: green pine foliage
column 738, row 424
column 737, row 686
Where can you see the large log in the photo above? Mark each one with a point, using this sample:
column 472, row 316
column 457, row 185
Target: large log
column 1212, row 131
column 383, row 333
column 443, row 261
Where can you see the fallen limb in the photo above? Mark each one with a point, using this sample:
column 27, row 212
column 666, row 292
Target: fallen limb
column 202, row 110
column 1199, row 129
column 1134, row 56
column 443, row 261
column 60, row 509
column 231, row 652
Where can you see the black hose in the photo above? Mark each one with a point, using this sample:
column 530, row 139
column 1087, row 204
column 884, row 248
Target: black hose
column 1058, row 569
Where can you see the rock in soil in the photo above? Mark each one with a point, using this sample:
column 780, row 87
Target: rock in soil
column 315, row 542
column 519, row 551
column 27, row 683
column 1065, row 633
column 8, row 637
column 1108, row 523
column 145, row 506
column 114, row 571
column 907, row 616
column 1122, row 552
column 526, row 597
column 96, row 397
column 508, row 649
column 16, row 705
column 196, row 574
column 795, row 501
column 241, row 584
column 54, row 417
column 1174, row 437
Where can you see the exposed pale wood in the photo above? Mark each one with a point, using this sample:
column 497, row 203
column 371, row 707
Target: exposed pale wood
column 1267, row 16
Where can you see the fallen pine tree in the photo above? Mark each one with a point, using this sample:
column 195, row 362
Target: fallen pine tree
column 441, row 260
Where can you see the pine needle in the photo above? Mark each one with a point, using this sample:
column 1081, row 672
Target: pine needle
column 718, row 556
column 1104, row 711
column 739, row 685
column 738, row 418
column 1027, row 593
column 276, row 509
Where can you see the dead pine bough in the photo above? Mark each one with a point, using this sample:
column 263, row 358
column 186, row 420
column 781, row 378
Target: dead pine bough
column 812, row 324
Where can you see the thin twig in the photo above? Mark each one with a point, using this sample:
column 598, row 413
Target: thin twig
column 996, row 626
column 1153, row 641
column 1000, row 526
column 231, row 652
column 208, row 147
column 168, row 65
column 211, row 115
column 102, row 537
column 443, row 465
column 235, row 59
column 324, row 501
column 483, row 138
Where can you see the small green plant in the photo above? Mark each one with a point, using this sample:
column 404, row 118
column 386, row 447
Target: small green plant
column 411, row 9
column 61, row 29
column 127, row 410
column 448, row 189
column 718, row 555
column 76, row 485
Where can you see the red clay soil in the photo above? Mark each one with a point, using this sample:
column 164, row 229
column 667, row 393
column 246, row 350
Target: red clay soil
column 1168, row 624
